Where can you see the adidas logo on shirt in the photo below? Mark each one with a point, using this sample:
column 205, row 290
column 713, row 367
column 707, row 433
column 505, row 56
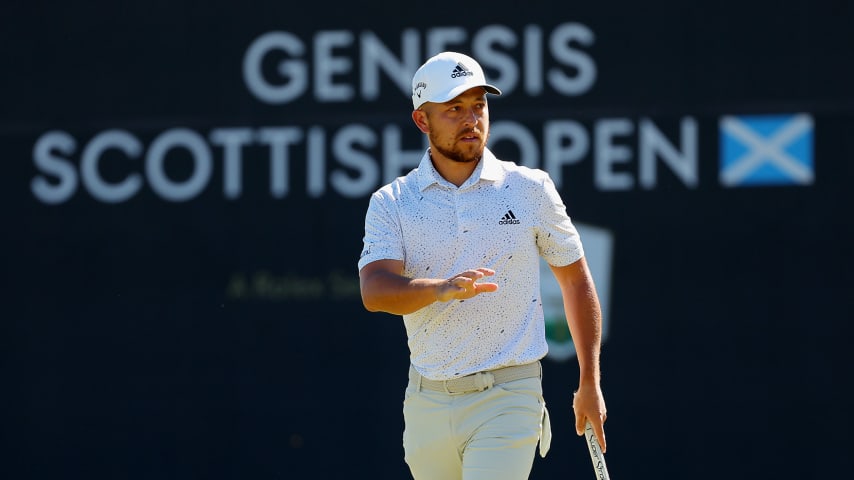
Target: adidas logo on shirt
column 461, row 71
column 508, row 219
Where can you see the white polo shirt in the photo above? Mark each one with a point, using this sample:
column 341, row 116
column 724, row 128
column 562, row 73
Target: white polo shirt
column 504, row 217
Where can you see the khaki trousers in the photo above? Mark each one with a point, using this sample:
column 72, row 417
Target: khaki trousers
column 486, row 435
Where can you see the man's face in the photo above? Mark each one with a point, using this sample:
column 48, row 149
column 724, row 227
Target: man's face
column 459, row 128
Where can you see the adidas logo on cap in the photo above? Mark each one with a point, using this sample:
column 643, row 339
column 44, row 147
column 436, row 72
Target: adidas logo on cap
column 461, row 71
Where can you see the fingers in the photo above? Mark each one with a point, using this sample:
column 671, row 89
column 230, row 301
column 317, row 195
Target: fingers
column 485, row 287
column 486, row 271
column 600, row 434
column 598, row 428
column 469, row 277
column 590, row 407
column 580, row 420
column 474, row 274
column 465, row 284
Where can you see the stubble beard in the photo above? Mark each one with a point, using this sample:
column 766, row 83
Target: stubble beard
column 459, row 154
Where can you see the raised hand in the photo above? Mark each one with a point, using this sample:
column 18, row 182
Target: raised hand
column 465, row 285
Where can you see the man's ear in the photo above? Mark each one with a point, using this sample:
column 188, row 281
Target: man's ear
column 420, row 119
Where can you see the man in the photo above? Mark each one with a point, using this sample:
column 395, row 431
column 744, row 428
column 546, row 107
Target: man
column 454, row 248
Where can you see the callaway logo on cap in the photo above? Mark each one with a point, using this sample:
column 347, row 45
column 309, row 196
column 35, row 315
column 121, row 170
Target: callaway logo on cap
column 445, row 76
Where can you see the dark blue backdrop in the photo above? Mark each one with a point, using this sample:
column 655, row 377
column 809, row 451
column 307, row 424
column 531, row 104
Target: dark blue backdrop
column 222, row 336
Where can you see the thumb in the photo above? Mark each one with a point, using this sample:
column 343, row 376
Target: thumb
column 580, row 424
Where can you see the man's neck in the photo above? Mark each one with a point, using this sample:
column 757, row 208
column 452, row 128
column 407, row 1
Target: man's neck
column 453, row 171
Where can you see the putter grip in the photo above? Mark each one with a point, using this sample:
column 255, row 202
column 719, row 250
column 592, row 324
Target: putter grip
column 596, row 455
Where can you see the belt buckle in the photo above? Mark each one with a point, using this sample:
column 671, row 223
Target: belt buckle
column 483, row 381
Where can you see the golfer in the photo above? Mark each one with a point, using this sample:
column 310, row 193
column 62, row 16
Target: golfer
column 454, row 247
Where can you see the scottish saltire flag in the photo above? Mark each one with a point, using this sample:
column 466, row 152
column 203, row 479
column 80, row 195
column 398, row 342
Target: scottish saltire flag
column 766, row 150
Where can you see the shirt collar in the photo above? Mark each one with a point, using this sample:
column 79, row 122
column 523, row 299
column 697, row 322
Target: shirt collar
column 487, row 169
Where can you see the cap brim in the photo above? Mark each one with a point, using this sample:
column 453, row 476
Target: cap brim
column 459, row 89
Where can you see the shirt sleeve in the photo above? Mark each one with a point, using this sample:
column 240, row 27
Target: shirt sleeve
column 382, row 240
column 557, row 238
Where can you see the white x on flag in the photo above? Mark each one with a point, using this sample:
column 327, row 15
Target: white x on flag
column 766, row 150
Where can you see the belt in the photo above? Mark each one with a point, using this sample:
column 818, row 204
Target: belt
column 477, row 382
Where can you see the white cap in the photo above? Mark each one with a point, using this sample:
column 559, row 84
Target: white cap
column 445, row 76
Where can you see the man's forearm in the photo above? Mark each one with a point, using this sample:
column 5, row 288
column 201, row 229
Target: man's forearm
column 584, row 317
column 396, row 294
